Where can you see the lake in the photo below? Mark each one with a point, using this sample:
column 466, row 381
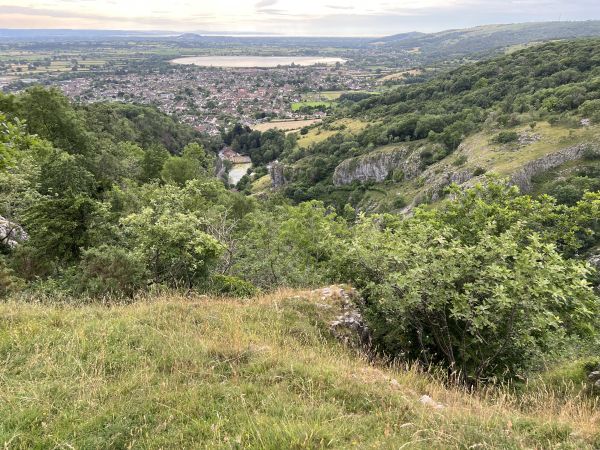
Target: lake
column 256, row 61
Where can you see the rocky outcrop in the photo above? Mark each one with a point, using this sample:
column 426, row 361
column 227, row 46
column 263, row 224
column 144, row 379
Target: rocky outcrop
column 11, row 234
column 523, row 177
column 437, row 184
column 277, row 173
column 594, row 379
column 349, row 327
column 221, row 170
column 377, row 166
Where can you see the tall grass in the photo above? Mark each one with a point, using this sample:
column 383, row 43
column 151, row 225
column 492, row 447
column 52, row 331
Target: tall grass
column 190, row 372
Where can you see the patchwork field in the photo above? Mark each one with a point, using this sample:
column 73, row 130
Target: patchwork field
column 285, row 125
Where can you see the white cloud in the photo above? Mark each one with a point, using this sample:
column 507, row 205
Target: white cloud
column 329, row 17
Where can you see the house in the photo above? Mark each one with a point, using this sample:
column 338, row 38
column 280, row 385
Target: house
column 228, row 154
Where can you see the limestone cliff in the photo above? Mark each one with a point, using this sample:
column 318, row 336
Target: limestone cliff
column 523, row 177
column 377, row 166
column 11, row 234
column 277, row 173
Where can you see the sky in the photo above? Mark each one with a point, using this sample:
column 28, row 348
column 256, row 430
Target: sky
column 288, row 17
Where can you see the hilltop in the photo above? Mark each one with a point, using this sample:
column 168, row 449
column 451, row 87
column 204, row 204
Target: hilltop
column 261, row 373
column 477, row 41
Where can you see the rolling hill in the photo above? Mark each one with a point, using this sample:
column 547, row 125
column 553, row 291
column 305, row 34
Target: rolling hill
column 488, row 38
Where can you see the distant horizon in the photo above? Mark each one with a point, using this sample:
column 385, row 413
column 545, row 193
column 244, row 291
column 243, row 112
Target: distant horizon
column 333, row 18
column 229, row 33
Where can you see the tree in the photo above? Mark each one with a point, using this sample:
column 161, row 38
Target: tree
column 172, row 246
column 475, row 286
column 282, row 245
column 64, row 174
column 8, row 134
column 153, row 162
column 194, row 163
column 60, row 227
column 48, row 113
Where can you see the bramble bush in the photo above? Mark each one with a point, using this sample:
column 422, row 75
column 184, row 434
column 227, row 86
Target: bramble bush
column 476, row 286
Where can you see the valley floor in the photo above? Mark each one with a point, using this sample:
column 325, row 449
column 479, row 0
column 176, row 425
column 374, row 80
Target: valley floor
column 262, row 373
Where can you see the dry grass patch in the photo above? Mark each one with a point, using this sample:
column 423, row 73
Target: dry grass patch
column 182, row 372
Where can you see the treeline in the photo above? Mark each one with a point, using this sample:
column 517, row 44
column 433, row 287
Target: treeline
column 261, row 147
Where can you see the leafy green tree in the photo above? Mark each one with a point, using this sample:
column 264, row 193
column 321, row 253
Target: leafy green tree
column 60, row 227
column 152, row 163
column 64, row 174
column 48, row 113
column 8, row 134
column 289, row 246
column 474, row 286
column 173, row 247
column 194, row 163
column 114, row 163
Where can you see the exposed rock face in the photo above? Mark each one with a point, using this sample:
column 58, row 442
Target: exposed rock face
column 594, row 378
column 528, row 138
column 277, row 173
column 437, row 184
column 11, row 234
column 377, row 166
column 595, row 261
column 522, row 177
column 220, row 170
column 349, row 327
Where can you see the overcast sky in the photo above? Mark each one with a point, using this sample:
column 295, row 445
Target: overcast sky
column 292, row 17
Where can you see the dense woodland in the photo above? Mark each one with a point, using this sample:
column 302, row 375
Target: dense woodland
column 110, row 202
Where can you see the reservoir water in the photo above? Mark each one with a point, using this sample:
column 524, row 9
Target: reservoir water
column 256, row 61
column 237, row 172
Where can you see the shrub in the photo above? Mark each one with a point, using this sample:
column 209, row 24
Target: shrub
column 399, row 202
column 172, row 245
column 108, row 271
column 505, row 137
column 398, row 175
column 460, row 161
column 591, row 110
column 475, row 286
column 591, row 154
column 9, row 283
column 231, row 286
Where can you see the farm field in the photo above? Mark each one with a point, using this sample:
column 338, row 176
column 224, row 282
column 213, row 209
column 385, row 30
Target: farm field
column 285, row 125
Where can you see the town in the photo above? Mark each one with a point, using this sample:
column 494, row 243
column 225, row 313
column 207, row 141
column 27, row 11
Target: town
column 210, row 99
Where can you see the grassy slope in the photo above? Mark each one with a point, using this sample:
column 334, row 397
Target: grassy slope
column 263, row 373
column 318, row 134
column 478, row 152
